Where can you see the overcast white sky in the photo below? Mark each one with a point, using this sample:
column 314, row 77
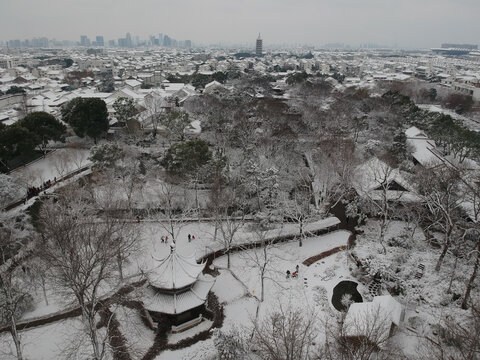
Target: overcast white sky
column 407, row 23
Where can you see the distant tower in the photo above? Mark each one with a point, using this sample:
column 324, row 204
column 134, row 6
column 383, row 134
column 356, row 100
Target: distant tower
column 259, row 48
column 128, row 40
column 99, row 40
column 84, row 40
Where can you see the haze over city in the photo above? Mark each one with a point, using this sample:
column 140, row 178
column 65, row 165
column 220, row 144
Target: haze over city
column 406, row 24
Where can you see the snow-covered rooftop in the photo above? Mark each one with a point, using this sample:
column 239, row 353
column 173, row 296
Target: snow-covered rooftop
column 178, row 303
column 373, row 319
column 175, row 271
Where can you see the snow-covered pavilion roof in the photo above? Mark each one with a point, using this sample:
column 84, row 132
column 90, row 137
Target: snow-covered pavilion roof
column 372, row 176
column 178, row 303
column 373, row 318
column 175, row 271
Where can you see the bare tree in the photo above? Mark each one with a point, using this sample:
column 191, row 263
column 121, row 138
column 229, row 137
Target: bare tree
column 365, row 337
column 82, row 255
column 476, row 251
column 14, row 297
column 14, row 300
column 156, row 108
column 261, row 258
column 286, row 333
column 298, row 207
column 457, row 339
column 174, row 210
column 111, row 207
column 229, row 227
column 443, row 196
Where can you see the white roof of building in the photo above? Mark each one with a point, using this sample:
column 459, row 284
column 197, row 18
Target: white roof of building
column 133, row 83
column 175, row 271
column 424, row 149
column 154, row 300
column 415, row 132
column 213, row 84
column 373, row 319
column 372, row 176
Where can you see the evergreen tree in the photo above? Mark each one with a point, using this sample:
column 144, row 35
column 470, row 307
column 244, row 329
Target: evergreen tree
column 15, row 141
column 88, row 116
column 44, row 126
column 187, row 157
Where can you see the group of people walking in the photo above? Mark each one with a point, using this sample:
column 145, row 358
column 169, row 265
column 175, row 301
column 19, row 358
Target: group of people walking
column 34, row 190
column 164, row 239
column 293, row 274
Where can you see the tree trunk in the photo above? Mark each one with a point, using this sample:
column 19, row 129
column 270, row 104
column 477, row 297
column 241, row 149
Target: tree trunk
column 196, row 194
column 16, row 338
column 446, row 245
column 92, row 333
column 449, row 290
column 120, row 267
column 300, row 244
column 262, row 292
column 44, row 290
column 215, row 230
column 472, row 279
column 228, row 259
column 382, row 235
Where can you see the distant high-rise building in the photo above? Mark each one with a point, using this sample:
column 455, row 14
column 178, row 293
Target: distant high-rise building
column 259, row 47
column 167, row 42
column 160, row 38
column 188, row 44
column 39, row 42
column 14, row 43
column 128, row 40
column 99, row 40
column 84, row 40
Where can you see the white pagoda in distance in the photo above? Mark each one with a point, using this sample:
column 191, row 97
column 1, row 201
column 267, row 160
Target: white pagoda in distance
column 177, row 291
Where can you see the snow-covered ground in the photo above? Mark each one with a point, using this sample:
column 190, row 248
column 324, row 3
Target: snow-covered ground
column 239, row 288
column 238, row 292
column 55, row 164
column 53, row 341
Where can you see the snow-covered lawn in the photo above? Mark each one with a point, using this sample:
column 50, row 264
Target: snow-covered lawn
column 153, row 249
column 53, row 341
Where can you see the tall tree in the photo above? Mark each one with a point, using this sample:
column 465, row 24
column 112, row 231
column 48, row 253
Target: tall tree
column 286, row 333
column 15, row 141
column 14, row 297
column 87, row 116
column 175, row 122
column 82, row 255
column 155, row 105
column 185, row 158
column 297, row 207
column 124, row 109
column 440, row 189
column 45, row 127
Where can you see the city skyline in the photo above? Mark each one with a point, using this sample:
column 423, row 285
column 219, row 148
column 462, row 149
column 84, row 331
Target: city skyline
column 224, row 22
